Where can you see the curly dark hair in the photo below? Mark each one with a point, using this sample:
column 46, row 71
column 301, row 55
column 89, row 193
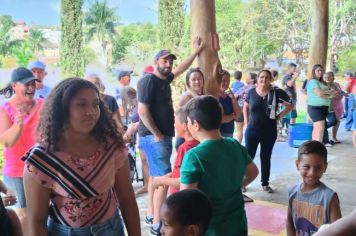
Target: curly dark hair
column 55, row 113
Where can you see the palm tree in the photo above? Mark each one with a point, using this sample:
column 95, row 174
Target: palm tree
column 100, row 22
column 36, row 39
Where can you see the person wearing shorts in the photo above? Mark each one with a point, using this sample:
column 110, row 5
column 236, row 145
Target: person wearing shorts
column 156, row 127
column 319, row 97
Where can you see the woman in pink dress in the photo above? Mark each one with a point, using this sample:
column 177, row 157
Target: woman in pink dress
column 18, row 120
column 77, row 175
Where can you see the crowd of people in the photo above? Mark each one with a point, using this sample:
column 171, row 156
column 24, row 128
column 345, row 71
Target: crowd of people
column 67, row 172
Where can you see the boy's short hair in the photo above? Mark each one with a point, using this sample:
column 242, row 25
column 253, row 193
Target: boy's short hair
column 182, row 115
column 205, row 110
column 313, row 147
column 190, row 207
column 238, row 75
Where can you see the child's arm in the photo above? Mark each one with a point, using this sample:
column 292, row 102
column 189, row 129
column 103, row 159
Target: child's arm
column 289, row 224
column 335, row 212
column 166, row 180
column 251, row 174
column 235, row 106
column 226, row 118
column 346, row 226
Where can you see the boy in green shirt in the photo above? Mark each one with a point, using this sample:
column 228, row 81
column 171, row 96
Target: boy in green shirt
column 217, row 166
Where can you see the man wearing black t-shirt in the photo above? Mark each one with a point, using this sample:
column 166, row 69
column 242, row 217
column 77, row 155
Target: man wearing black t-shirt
column 156, row 128
column 289, row 87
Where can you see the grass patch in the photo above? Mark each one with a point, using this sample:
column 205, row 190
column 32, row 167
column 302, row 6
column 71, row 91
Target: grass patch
column 301, row 118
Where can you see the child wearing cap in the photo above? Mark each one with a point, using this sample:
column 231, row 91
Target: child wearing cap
column 38, row 69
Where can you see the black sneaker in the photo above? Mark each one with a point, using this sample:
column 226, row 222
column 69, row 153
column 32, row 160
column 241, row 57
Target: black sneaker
column 148, row 221
column 155, row 231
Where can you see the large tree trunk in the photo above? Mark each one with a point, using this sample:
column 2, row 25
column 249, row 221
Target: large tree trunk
column 204, row 26
column 319, row 35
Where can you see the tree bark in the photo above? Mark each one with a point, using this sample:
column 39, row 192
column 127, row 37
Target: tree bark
column 319, row 35
column 204, row 26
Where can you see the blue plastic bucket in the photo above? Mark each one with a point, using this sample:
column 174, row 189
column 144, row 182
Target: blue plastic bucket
column 299, row 133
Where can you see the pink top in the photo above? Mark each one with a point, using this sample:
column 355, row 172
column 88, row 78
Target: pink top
column 336, row 103
column 13, row 166
column 82, row 188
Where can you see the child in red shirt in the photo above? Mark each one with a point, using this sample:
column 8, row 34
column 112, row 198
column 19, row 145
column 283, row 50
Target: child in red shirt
column 181, row 130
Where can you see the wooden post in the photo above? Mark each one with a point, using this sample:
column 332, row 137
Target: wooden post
column 319, row 35
column 204, row 26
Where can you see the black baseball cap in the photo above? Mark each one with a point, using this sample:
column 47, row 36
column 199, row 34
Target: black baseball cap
column 22, row 75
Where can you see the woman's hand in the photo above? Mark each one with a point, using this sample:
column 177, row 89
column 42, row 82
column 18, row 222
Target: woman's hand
column 8, row 197
column 19, row 119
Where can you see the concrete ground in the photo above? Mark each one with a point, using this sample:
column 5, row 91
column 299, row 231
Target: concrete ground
column 268, row 210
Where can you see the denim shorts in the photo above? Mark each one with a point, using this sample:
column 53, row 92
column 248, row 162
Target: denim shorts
column 16, row 185
column 318, row 113
column 111, row 227
column 158, row 154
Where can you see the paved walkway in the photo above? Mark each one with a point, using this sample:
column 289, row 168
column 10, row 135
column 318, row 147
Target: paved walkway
column 340, row 176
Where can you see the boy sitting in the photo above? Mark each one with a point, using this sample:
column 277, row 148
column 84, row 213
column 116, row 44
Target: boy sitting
column 185, row 213
column 180, row 125
column 218, row 166
column 311, row 203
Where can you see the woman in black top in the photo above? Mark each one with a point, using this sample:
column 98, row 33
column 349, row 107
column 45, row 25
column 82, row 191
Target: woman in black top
column 109, row 101
column 260, row 115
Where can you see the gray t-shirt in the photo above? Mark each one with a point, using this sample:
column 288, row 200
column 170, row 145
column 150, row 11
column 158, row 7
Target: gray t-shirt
column 310, row 209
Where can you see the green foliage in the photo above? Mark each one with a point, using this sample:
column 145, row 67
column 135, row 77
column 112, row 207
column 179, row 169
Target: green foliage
column 89, row 55
column 36, row 39
column 342, row 25
column 171, row 15
column 23, row 53
column 100, row 21
column 252, row 31
column 347, row 60
column 5, row 42
column 71, row 52
column 134, row 42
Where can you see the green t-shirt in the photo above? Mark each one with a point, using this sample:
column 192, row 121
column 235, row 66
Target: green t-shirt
column 218, row 166
column 313, row 98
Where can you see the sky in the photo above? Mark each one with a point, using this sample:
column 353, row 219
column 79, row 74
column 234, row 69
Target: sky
column 47, row 12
